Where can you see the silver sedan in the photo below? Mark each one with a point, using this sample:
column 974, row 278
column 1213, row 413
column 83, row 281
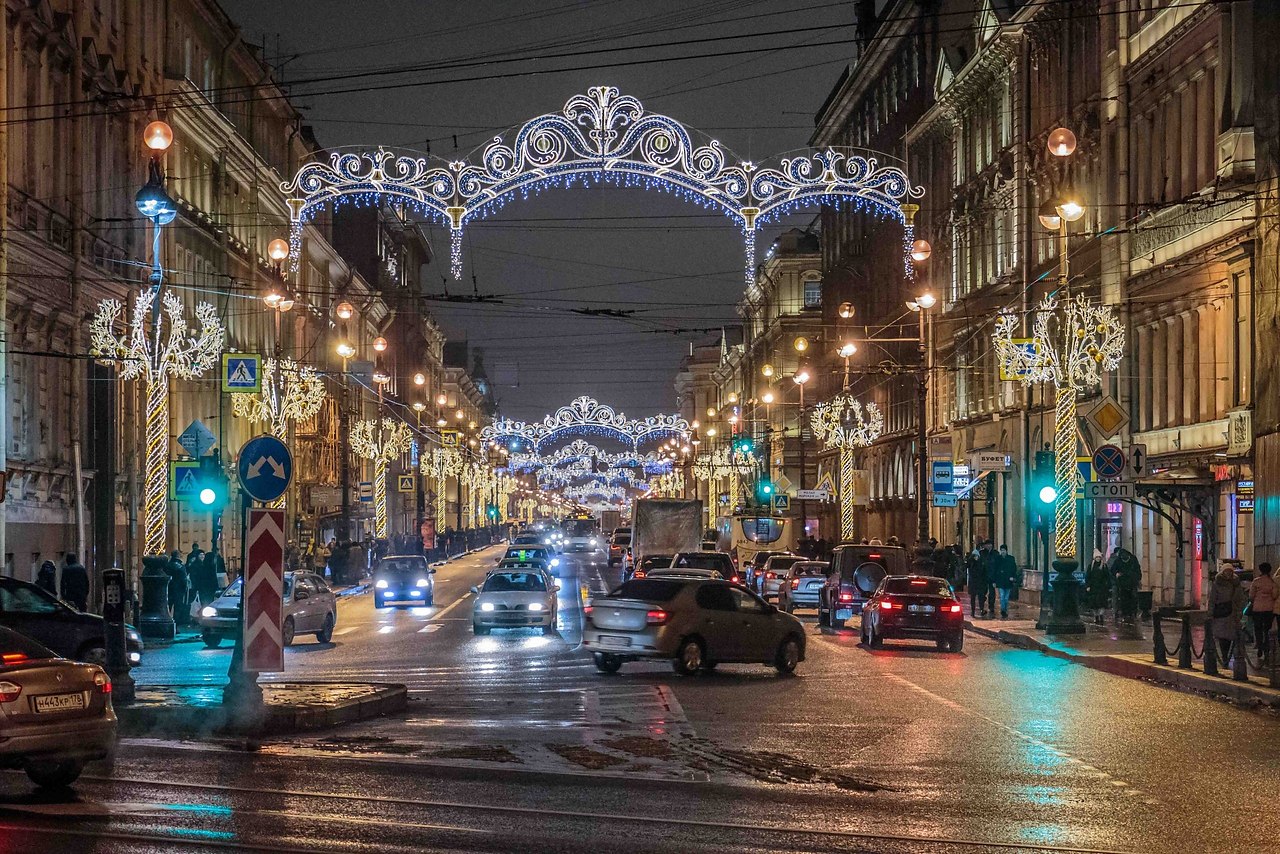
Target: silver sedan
column 514, row 599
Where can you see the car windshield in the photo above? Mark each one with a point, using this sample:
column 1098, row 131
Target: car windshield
column 24, row 599
column 649, row 589
column 622, row 539
column 233, row 589
column 16, row 648
column 706, row 560
column 656, row 562
column 402, row 565
column 780, row 564
column 580, row 527
column 517, row 582
column 761, row 529
column 918, row 586
column 525, row 554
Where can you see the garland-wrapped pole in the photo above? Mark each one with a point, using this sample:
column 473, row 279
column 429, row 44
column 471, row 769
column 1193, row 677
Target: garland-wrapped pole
column 380, row 441
column 290, row 393
column 843, row 423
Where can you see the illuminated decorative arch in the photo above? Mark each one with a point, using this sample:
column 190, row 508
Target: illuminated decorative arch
column 579, row 450
column 602, row 137
column 585, row 416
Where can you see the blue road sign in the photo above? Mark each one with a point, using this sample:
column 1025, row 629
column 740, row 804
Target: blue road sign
column 1108, row 461
column 781, row 503
column 943, row 475
column 265, row 468
column 184, row 479
column 241, row 373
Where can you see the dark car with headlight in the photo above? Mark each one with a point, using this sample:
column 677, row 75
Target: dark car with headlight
column 46, row 619
column 55, row 714
column 403, row 580
column 914, row 606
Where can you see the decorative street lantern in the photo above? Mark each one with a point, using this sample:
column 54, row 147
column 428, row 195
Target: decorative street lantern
column 843, row 423
column 1071, row 344
column 145, row 351
column 381, row 441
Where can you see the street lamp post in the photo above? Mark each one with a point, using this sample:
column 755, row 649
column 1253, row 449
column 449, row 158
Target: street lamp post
column 1072, row 342
column 921, row 306
column 801, row 377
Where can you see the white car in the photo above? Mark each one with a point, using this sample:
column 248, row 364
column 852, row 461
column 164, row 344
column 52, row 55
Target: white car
column 514, row 599
column 691, row 572
column 309, row 608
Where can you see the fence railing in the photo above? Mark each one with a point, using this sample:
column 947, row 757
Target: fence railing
column 1215, row 656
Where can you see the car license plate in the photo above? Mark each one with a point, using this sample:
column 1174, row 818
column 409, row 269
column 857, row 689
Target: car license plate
column 844, row 613
column 59, row 702
column 614, row 640
column 920, row 609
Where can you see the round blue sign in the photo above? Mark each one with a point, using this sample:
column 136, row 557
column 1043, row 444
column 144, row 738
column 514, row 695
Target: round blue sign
column 265, row 468
column 1108, row 461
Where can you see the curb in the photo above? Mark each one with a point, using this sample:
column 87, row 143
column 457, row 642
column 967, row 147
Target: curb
column 1186, row 680
column 159, row 643
column 282, row 719
column 354, row 590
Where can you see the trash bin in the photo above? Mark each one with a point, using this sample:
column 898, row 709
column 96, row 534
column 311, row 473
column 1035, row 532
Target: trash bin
column 1144, row 604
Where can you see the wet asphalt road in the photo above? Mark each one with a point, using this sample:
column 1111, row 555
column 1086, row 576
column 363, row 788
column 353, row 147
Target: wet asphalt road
column 514, row 742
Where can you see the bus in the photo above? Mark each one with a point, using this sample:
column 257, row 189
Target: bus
column 582, row 534
column 745, row 534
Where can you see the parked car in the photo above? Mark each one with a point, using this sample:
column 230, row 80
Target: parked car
column 55, row 714
column 309, row 608
column 755, row 565
column 514, row 599
column 914, row 606
column 46, row 619
column 619, row 541
column 695, row 624
column 856, row 571
column 769, row 577
column 404, row 579
column 719, row 561
column 801, row 584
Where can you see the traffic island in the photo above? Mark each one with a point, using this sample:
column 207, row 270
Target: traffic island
column 197, row 711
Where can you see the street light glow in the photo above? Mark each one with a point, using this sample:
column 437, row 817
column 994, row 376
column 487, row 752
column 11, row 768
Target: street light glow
column 158, row 136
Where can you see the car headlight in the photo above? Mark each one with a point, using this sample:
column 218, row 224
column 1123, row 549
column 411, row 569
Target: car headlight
column 381, row 584
column 486, row 606
column 555, row 561
column 208, row 611
column 136, row 637
column 135, row 657
column 422, row 582
column 535, row 606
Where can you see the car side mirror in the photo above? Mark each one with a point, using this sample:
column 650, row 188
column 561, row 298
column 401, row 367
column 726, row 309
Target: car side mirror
column 475, row 589
column 300, row 595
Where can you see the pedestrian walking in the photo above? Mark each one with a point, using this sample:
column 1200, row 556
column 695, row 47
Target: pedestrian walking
column 194, row 555
column 1006, row 579
column 203, row 577
column 990, row 562
column 1262, row 608
column 179, row 587
column 1126, row 575
column 1097, row 587
column 47, row 578
column 1226, row 608
column 75, row 583
column 977, row 582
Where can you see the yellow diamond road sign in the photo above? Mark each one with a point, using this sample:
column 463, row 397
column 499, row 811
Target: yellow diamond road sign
column 1107, row 417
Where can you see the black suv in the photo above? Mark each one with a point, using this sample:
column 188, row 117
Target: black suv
column 856, row 572
column 34, row 612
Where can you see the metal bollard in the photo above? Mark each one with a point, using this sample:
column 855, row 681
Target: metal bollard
column 1273, row 651
column 1240, row 662
column 1184, row 648
column 1161, row 654
column 1210, row 650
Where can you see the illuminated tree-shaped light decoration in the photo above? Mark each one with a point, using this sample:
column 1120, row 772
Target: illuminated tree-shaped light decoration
column 443, row 464
column 1071, row 344
column 290, row 393
column 380, row 441
column 146, row 351
column 844, row 423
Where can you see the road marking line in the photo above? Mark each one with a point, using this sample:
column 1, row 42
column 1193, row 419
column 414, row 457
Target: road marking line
column 348, row 630
column 429, row 627
column 465, row 597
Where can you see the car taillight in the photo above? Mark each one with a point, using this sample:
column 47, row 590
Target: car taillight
column 889, row 604
column 13, row 657
column 734, row 579
column 795, row 584
column 102, row 682
column 770, row 575
column 955, row 609
column 9, row 692
column 846, row 597
column 656, row 617
column 639, row 573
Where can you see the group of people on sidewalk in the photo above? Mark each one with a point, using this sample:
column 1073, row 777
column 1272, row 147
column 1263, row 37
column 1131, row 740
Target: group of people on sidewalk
column 194, row 582
column 75, row 581
column 1230, row 602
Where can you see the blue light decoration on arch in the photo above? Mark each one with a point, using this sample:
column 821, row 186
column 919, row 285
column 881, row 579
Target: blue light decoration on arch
column 602, row 137
column 585, row 416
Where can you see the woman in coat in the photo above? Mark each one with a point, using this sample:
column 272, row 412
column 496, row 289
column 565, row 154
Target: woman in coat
column 1263, row 593
column 1226, row 608
column 1097, row 587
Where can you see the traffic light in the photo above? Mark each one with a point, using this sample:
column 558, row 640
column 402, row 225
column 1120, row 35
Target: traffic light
column 212, row 490
column 744, row 445
column 1044, row 489
column 764, row 491
column 492, row 510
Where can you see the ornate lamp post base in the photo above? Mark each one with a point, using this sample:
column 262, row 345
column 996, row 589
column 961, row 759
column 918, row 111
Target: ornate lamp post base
column 1064, row 599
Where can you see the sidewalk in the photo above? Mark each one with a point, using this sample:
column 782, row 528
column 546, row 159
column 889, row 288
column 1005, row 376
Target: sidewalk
column 1123, row 651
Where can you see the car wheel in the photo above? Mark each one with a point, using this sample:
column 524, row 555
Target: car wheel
column 607, row 663
column 286, row 632
column 54, row 774
column 787, row 656
column 957, row 642
column 874, row 640
column 211, row 640
column 689, row 657
column 863, row 634
column 480, row 630
column 93, row 653
column 549, row 629
column 431, row 598
column 326, row 634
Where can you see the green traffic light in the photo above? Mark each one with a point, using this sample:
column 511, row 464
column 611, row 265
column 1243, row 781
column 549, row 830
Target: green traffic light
column 208, row 496
column 1048, row 494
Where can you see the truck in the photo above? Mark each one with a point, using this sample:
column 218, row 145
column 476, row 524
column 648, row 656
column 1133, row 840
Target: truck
column 665, row 526
column 610, row 519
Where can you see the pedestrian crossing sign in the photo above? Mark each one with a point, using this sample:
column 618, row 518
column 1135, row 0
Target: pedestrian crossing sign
column 781, row 503
column 184, row 479
column 826, row 483
column 404, row 482
column 449, row 438
column 241, row 373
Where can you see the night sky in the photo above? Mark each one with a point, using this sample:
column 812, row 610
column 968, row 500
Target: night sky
column 676, row 263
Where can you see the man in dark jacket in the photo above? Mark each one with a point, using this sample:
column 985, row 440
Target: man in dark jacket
column 178, row 588
column 977, row 582
column 47, row 578
column 204, row 577
column 1005, row 579
column 75, row 583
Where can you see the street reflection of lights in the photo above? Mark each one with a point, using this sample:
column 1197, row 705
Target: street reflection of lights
column 537, row 642
column 488, row 645
column 420, row 612
column 386, row 630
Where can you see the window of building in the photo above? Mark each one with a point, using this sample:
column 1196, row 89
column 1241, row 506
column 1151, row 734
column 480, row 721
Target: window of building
column 813, row 294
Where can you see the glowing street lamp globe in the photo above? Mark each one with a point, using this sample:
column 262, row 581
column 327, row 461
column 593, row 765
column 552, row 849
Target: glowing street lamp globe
column 278, row 250
column 154, row 203
column 157, row 136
